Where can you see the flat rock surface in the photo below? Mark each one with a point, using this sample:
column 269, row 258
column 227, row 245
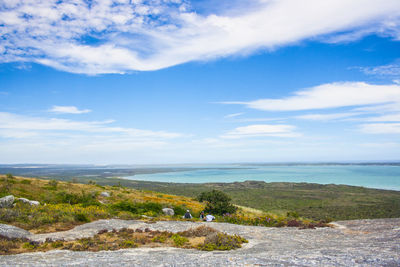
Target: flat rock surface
column 349, row 243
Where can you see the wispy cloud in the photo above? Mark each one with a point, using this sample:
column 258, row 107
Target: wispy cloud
column 327, row 117
column 68, row 110
column 387, row 118
column 260, row 130
column 95, row 37
column 392, row 69
column 17, row 126
column 233, row 115
column 332, row 95
column 381, row 128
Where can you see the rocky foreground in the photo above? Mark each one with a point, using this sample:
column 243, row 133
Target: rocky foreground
column 348, row 243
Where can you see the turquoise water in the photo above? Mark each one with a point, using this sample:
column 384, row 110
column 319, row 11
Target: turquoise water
column 373, row 176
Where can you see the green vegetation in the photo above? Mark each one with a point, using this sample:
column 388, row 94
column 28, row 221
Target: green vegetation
column 217, row 202
column 313, row 201
column 65, row 205
column 179, row 241
column 222, row 241
column 203, row 238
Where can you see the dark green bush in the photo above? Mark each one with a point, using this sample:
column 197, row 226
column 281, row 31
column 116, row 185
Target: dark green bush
column 217, row 202
column 80, row 217
column 137, row 208
column 86, row 199
column 179, row 210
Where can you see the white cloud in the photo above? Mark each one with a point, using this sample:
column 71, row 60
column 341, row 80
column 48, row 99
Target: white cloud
column 259, row 130
column 68, row 110
column 327, row 117
column 332, row 95
column 17, row 126
column 385, row 70
column 388, row 117
column 381, row 128
column 118, row 36
column 233, row 115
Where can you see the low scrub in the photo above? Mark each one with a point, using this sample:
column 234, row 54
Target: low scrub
column 222, row 241
column 210, row 239
column 151, row 208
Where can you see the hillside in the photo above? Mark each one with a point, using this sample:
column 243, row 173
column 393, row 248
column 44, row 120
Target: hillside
column 62, row 205
column 65, row 204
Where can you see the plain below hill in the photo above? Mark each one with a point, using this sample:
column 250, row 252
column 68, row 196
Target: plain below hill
column 314, row 201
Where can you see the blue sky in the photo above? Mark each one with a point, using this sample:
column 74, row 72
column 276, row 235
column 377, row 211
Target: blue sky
column 171, row 81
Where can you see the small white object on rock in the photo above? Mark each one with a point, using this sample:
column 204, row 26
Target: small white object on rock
column 7, row 201
column 168, row 211
column 105, row 194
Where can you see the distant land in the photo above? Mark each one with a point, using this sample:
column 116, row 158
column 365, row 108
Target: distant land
column 311, row 200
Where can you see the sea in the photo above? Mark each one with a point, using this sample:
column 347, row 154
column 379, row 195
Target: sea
column 379, row 176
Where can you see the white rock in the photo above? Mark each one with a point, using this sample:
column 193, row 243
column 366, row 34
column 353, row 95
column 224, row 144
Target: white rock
column 34, row 203
column 30, row 202
column 23, row 200
column 105, row 194
column 168, row 211
column 7, row 201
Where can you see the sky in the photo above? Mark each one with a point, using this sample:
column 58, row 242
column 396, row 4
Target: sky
column 179, row 81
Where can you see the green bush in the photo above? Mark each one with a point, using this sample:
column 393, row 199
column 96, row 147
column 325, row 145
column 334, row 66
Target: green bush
column 137, row 208
column 179, row 210
column 217, row 202
column 222, row 241
column 179, row 241
column 80, row 217
column 86, row 199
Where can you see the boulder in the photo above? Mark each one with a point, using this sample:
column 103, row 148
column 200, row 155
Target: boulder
column 10, row 231
column 105, row 194
column 30, row 202
column 23, row 200
column 7, row 201
column 34, row 203
column 168, row 211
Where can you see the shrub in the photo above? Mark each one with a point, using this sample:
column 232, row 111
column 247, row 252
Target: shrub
column 137, row 208
column 217, row 202
column 57, row 244
column 222, row 241
column 80, row 217
column 198, row 232
column 9, row 176
column 128, row 244
column 25, row 182
column 30, row 245
column 179, row 210
column 86, row 199
column 179, row 241
column 294, row 223
column 53, row 183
